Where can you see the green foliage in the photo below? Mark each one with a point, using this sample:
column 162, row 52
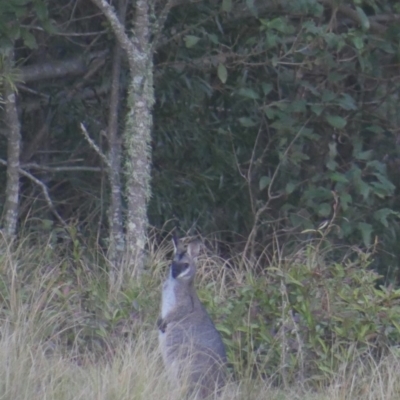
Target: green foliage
column 307, row 319
column 305, row 113
column 13, row 14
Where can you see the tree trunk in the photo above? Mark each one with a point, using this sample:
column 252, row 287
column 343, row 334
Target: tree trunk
column 116, row 246
column 139, row 121
column 13, row 152
column 137, row 137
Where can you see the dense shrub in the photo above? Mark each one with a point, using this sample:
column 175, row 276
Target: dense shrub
column 303, row 320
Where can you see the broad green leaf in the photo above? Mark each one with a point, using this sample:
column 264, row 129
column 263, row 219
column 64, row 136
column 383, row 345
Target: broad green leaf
column 384, row 183
column 40, row 9
column 346, row 229
column 191, row 40
column 347, row 102
column 29, row 39
column 222, row 73
column 298, row 106
column 375, row 129
column 298, row 156
column 266, row 87
column 247, row 122
column 366, row 232
column 336, row 121
column 279, row 24
column 270, row 112
column 363, row 188
column 338, row 177
column 289, row 188
column 345, row 200
column 332, row 165
column 328, row 96
column 264, row 182
column 363, row 18
column 377, row 166
column 271, row 40
column 213, row 38
column 364, row 155
column 383, row 214
column 309, row 26
column 249, row 93
column 324, row 209
column 358, row 42
column 317, row 109
column 310, row 134
column 380, row 190
column 49, row 27
column 227, row 5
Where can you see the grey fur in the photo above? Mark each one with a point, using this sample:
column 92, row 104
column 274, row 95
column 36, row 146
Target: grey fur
column 192, row 348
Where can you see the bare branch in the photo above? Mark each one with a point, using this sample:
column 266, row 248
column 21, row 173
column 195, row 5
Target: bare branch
column 56, row 69
column 94, row 146
column 159, row 25
column 385, row 18
column 118, row 29
column 44, row 190
column 60, row 169
column 261, row 210
column 353, row 15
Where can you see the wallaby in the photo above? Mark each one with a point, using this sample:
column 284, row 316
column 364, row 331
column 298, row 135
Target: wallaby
column 192, row 348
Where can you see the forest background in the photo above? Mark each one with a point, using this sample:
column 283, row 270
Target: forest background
column 270, row 128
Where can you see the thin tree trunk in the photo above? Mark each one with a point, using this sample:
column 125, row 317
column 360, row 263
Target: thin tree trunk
column 139, row 121
column 13, row 152
column 137, row 137
column 116, row 246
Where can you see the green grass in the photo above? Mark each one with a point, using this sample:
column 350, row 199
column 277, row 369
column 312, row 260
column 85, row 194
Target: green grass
column 66, row 334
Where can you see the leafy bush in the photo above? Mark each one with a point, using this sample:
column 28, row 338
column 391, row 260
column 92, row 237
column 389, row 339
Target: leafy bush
column 303, row 320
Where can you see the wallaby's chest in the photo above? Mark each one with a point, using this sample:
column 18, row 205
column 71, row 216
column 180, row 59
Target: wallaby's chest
column 168, row 302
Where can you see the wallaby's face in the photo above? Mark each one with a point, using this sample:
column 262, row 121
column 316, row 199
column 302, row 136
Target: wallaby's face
column 183, row 267
column 181, row 276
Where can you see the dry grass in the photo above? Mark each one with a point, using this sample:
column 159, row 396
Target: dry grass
column 31, row 371
column 37, row 364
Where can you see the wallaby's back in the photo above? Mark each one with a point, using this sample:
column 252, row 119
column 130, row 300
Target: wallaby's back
column 192, row 348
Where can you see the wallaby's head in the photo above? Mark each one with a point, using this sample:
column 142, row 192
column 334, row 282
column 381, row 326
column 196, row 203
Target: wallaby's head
column 183, row 267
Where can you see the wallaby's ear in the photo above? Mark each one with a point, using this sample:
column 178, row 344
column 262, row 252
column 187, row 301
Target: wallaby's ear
column 193, row 248
column 178, row 248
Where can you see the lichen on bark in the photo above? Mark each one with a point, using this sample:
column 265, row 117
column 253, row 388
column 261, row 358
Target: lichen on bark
column 13, row 151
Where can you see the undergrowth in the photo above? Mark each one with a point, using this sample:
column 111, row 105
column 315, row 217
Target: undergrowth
column 298, row 328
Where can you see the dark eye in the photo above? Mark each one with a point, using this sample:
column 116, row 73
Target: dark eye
column 185, row 266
